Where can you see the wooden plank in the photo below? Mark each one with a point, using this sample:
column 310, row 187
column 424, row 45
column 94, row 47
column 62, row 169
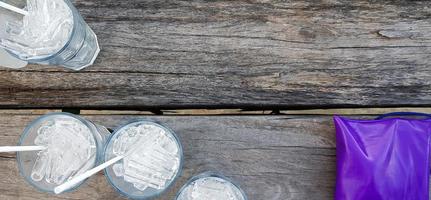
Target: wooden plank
column 241, row 54
column 271, row 157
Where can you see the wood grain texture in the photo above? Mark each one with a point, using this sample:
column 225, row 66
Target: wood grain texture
column 271, row 157
column 241, row 54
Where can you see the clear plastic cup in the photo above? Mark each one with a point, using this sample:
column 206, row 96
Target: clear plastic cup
column 80, row 49
column 123, row 174
column 65, row 142
column 218, row 191
column 6, row 60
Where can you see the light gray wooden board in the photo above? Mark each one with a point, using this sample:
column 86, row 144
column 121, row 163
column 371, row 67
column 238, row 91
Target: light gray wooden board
column 257, row 53
column 271, row 157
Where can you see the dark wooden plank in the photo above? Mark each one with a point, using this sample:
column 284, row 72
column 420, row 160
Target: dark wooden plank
column 201, row 53
column 271, row 157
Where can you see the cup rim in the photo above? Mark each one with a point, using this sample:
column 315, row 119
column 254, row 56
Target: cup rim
column 180, row 152
column 38, row 120
column 209, row 174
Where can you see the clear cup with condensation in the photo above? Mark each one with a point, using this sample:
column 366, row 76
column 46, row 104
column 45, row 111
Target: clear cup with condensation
column 73, row 146
column 210, row 186
column 49, row 32
column 153, row 161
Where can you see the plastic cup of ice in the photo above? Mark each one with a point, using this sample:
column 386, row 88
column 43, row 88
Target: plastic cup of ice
column 152, row 163
column 73, row 146
column 52, row 33
column 210, row 186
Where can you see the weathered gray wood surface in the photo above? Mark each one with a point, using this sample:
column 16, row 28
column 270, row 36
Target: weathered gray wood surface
column 255, row 53
column 271, row 157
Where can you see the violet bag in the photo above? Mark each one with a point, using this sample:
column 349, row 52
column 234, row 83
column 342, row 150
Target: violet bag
column 383, row 159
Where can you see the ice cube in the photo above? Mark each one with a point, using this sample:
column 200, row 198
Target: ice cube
column 41, row 140
column 118, row 169
column 120, row 145
column 84, row 167
column 53, row 163
column 13, row 28
column 132, row 131
column 134, row 180
column 147, row 167
column 140, row 187
column 146, row 177
column 38, row 171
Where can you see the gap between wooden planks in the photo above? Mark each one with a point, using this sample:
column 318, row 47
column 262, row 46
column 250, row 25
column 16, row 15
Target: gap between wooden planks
column 341, row 111
column 344, row 111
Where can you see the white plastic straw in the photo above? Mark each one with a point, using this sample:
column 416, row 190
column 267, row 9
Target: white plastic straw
column 13, row 8
column 65, row 186
column 21, row 148
column 69, row 184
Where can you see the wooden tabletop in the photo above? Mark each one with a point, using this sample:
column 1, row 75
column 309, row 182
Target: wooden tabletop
column 240, row 54
column 261, row 55
column 270, row 157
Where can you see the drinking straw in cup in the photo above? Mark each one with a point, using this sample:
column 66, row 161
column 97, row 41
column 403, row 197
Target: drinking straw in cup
column 47, row 32
column 142, row 159
column 153, row 162
column 68, row 147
